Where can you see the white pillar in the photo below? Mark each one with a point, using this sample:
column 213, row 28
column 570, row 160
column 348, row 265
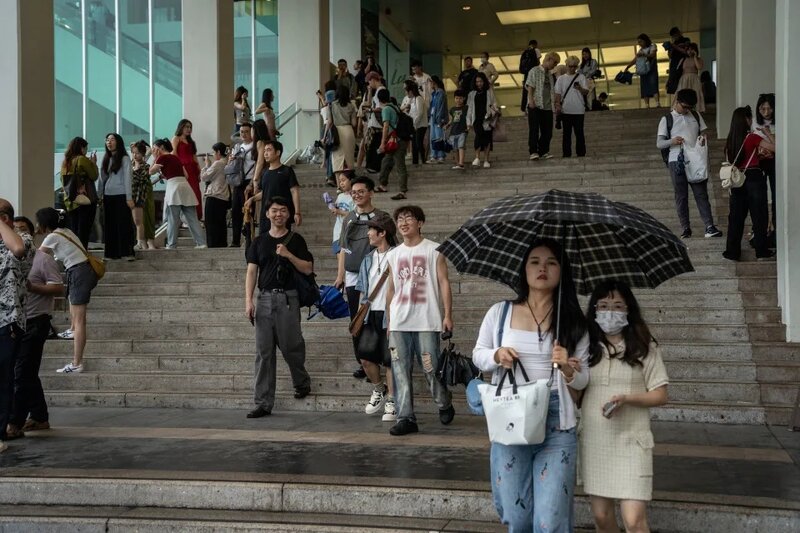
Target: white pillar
column 755, row 71
column 345, row 31
column 303, row 65
column 726, row 65
column 787, row 159
column 208, row 70
column 27, row 104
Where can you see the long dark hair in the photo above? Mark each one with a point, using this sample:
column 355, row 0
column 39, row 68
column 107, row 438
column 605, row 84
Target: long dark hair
column 112, row 161
column 482, row 76
column 768, row 98
column 74, row 149
column 412, row 87
column 636, row 334
column 240, row 92
column 644, row 37
column 584, row 61
column 572, row 323
column 260, row 133
column 179, row 133
column 266, row 97
column 737, row 133
column 343, row 96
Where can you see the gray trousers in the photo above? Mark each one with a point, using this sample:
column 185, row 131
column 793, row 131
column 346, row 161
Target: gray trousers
column 396, row 159
column 278, row 325
column 700, row 190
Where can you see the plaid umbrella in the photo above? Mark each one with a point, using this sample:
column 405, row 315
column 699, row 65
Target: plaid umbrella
column 603, row 239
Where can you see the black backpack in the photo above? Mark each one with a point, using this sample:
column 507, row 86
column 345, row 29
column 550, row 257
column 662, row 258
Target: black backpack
column 668, row 116
column 305, row 284
column 405, row 125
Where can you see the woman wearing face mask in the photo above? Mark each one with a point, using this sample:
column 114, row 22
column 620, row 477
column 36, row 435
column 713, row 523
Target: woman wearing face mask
column 533, row 485
column 488, row 69
column 627, row 377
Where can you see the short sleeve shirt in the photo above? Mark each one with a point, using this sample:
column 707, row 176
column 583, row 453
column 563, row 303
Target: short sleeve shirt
column 13, row 277
column 388, row 114
column 64, row 250
column 275, row 272
column 749, row 157
column 171, row 166
column 458, row 119
column 572, row 102
column 45, row 271
column 278, row 182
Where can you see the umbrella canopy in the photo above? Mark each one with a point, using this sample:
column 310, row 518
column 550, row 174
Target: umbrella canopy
column 603, row 239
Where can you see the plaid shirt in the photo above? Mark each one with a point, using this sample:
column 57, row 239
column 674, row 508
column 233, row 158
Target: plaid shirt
column 537, row 77
column 13, row 276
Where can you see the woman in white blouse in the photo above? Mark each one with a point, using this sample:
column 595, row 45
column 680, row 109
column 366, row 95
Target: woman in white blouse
column 538, row 480
column 218, row 197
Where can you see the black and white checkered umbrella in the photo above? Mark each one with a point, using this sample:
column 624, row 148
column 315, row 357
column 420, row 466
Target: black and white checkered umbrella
column 604, row 240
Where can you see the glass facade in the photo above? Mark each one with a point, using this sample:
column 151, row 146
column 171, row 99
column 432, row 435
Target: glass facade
column 255, row 48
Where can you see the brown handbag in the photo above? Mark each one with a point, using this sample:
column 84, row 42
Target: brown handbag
column 358, row 321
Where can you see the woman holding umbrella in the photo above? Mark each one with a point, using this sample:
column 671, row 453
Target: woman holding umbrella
column 542, row 328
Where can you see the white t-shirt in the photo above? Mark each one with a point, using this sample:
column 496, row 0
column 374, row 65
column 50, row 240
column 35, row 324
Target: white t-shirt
column 424, row 86
column 343, row 201
column 373, row 121
column 64, row 250
column 572, row 102
column 682, row 126
column 378, row 267
column 415, row 306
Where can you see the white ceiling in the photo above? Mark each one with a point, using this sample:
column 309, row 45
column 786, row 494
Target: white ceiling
column 442, row 25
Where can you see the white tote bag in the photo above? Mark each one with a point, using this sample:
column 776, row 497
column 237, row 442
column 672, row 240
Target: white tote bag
column 517, row 415
column 696, row 161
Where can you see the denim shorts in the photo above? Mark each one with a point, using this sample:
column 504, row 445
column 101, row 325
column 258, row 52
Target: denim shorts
column 81, row 279
column 459, row 141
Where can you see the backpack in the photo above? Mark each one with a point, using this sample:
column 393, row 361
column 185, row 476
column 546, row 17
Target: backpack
column 668, row 116
column 527, row 61
column 305, row 284
column 405, row 125
column 234, row 170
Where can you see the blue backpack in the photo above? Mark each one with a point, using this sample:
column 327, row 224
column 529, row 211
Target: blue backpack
column 331, row 303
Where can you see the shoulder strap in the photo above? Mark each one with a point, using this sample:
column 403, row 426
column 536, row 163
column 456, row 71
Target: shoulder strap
column 502, row 325
column 668, row 116
column 378, row 286
column 70, row 239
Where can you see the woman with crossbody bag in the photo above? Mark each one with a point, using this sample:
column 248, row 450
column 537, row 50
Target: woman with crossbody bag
column 742, row 151
column 369, row 325
column 64, row 245
column 540, row 330
column 78, row 176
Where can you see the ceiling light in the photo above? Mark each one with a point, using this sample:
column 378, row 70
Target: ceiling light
column 502, row 107
column 544, row 14
column 616, row 22
column 483, row 34
column 466, row 8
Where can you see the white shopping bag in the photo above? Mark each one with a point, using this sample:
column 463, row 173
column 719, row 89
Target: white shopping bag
column 696, row 161
column 517, row 415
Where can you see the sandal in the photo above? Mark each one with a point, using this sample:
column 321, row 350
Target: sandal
column 381, row 188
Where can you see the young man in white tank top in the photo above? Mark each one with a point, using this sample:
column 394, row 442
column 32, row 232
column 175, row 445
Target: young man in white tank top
column 416, row 287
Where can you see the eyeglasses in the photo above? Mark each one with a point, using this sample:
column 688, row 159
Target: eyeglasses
column 408, row 218
column 603, row 306
column 686, row 106
column 359, row 192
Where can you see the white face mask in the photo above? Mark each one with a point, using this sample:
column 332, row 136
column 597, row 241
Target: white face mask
column 484, row 60
column 611, row 322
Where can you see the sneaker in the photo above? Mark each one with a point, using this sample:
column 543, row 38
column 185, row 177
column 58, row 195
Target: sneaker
column 389, row 411
column 129, row 258
column 375, row 403
column 458, row 167
column 446, row 415
column 13, row 432
column 301, row 392
column 547, row 156
column 533, row 157
column 729, row 256
column 359, row 373
column 258, row 412
column 70, row 369
column 476, row 162
column 712, row 231
column 687, row 234
column 33, row 425
column 66, row 335
column 139, row 247
column 486, row 164
column 201, row 247
column 770, row 256
column 399, row 196
column 404, row 427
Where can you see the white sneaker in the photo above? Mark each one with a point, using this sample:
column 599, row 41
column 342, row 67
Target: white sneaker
column 533, row 157
column 201, row 247
column 486, row 164
column 70, row 369
column 389, row 412
column 476, row 162
column 547, row 156
column 139, row 247
column 66, row 335
column 375, row 403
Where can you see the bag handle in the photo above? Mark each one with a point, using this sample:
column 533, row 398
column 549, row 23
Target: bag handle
column 70, row 239
column 510, row 372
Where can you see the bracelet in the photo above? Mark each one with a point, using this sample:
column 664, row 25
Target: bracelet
column 566, row 379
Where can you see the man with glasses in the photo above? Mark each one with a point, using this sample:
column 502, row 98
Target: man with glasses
column 417, row 285
column 680, row 128
column 354, row 247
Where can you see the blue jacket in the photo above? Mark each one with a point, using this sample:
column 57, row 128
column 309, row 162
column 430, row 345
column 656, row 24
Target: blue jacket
column 362, row 284
column 438, row 112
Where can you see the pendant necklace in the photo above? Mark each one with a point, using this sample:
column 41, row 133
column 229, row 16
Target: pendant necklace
column 539, row 323
column 380, row 260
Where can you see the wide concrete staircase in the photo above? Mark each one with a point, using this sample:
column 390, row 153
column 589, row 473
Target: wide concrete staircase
column 169, row 330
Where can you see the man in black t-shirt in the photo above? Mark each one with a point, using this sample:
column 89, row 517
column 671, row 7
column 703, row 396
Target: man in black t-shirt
column 272, row 260
column 277, row 180
column 467, row 76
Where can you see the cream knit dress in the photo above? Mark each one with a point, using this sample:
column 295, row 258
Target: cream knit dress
column 616, row 454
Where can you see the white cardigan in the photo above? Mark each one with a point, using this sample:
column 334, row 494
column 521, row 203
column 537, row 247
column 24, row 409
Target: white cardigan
column 487, row 346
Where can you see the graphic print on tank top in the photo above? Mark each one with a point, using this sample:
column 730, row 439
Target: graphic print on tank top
column 413, row 280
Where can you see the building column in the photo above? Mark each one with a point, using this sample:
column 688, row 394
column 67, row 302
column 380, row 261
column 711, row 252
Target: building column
column 303, row 67
column 27, row 104
column 345, row 31
column 787, row 162
column 726, row 66
column 208, row 70
column 755, row 73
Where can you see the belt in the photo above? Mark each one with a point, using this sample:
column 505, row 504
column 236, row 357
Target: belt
column 273, row 291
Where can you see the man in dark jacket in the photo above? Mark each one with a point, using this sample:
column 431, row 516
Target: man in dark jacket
column 528, row 60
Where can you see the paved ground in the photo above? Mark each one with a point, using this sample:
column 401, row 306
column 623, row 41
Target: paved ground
column 757, row 465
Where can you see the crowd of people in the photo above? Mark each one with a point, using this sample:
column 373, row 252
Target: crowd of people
column 398, row 290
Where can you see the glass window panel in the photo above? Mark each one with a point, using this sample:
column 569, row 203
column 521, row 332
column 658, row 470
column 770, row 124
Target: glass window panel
column 243, row 47
column 511, row 62
column 505, row 81
column 266, row 52
column 68, row 32
column 101, row 71
column 134, row 50
column 167, row 67
column 616, row 55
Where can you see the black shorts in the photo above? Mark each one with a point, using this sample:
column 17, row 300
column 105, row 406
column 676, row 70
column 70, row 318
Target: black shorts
column 81, row 279
column 373, row 343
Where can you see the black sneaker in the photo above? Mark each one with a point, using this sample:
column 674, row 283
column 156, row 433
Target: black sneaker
column 359, row 373
column 404, row 427
column 258, row 412
column 712, row 231
column 301, row 393
column 687, row 233
column 770, row 254
column 446, row 415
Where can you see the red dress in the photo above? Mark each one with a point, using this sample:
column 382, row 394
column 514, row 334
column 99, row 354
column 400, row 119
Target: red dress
column 184, row 153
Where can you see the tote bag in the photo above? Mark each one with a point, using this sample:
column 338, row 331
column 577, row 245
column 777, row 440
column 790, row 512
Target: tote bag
column 518, row 415
column 696, row 161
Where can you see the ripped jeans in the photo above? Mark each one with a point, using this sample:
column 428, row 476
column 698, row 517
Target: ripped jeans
column 533, row 485
column 405, row 347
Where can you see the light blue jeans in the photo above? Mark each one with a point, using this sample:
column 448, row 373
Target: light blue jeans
column 174, row 222
column 437, row 133
column 533, row 485
column 405, row 347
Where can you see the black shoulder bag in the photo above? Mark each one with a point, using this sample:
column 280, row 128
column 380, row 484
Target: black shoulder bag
column 305, row 284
